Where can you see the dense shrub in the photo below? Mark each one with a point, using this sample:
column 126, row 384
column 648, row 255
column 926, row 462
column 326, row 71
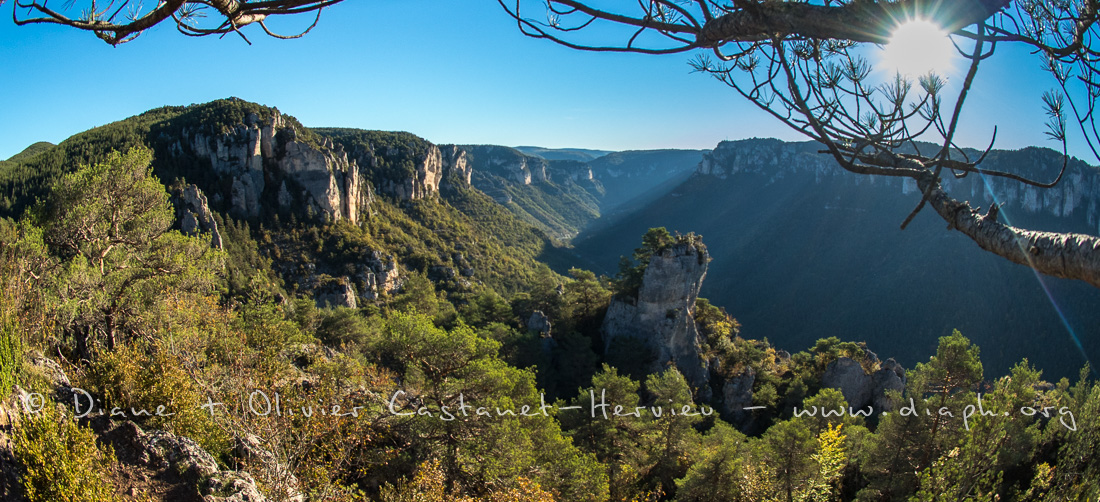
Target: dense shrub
column 60, row 460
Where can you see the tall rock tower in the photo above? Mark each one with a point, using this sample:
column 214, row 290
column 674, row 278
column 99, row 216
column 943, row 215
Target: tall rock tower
column 662, row 315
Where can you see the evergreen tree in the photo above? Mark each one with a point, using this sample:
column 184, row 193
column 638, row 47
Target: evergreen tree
column 109, row 225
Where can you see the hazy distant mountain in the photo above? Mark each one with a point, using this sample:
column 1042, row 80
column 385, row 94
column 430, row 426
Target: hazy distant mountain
column 558, row 196
column 562, row 196
column 581, row 154
column 803, row 250
column 639, row 176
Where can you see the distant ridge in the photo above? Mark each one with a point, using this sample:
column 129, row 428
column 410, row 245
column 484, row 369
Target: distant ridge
column 579, row 154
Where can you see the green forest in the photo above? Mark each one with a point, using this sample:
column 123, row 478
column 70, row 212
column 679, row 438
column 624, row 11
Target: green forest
column 116, row 325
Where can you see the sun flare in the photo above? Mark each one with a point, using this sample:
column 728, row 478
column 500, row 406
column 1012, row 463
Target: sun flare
column 918, row 47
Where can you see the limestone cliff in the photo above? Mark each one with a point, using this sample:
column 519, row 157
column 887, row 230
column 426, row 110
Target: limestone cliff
column 1077, row 196
column 399, row 164
column 456, row 161
column 508, row 163
column 662, row 313
column 571, row 169
column 421, row 181
column 270, row 164
column 261, row 163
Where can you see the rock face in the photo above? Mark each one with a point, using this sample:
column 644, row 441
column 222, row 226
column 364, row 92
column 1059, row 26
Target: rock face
column 456, row 161
column 379, row 275
column 326, row 179
column 336, row 293
column 508, row 163
column 860, row 389
column 262, row 156
column 662, row 314
column 194, row 216
column 539, row 323
column 737, row 395
column 1077, row 194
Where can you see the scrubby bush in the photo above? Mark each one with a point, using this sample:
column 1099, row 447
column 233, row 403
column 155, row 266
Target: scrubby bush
column 133, row 378
column 60, row 460
column 11, row 351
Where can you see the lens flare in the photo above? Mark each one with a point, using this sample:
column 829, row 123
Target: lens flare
column 919, row 47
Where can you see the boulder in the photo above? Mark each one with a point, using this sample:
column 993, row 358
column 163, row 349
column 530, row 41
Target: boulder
column 848, row 376
column 859, row 388
column 539, row 323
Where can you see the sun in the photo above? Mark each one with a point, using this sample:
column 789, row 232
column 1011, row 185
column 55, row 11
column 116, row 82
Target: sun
column 919, row 47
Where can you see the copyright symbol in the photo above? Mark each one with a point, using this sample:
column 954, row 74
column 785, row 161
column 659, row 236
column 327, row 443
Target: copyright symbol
column 33, row 402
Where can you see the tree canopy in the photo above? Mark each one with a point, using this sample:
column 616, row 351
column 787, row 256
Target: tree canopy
column 108, row 224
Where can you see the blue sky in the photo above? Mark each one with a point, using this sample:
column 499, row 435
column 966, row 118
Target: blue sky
column 452, row 72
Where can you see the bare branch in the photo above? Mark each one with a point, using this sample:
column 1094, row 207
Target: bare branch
column 188, row 16
column 712, row 26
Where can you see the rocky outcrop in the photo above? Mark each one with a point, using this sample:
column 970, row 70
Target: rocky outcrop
column 539, row 323
column 186, row 460
column 464, row 267
column 848, row 376
column 336, row 293
column 379, row 275
column 376, row 274
column 266, row 155
column 662, row 313
column 737, row 395
column 861, row 389
column 194, row 216
column 890, row 376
